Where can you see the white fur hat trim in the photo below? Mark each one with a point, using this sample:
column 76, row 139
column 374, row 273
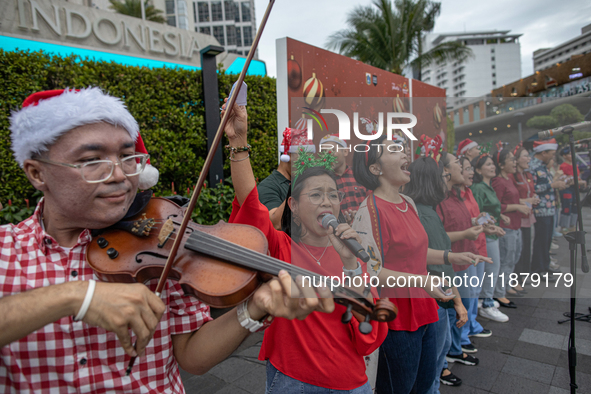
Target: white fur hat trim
column 35, row 128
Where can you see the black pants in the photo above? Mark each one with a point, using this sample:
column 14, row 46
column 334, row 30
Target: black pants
column 524, row 263
column 540, row 261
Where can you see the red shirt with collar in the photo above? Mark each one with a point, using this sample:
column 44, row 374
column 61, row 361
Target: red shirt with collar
column 68, row 356
column 507, row 194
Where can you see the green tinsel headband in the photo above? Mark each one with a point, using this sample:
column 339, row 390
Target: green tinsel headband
column 308, row 160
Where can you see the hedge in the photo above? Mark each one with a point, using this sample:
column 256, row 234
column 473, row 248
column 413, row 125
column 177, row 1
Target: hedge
column 167, row 103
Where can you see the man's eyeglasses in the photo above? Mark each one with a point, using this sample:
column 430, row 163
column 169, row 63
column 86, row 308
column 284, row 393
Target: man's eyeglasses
column 334, row 197
column 101, row 170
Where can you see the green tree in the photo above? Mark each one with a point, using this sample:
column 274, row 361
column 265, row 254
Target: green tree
column 566, row 114
column 391, row 38
column 542, row 122
column 134, row 8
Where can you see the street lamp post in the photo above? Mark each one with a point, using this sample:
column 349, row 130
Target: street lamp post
column 519, row 115
column 211, row 99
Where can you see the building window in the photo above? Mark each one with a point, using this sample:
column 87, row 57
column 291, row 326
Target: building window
column 238, row 36
column 493, row 66
column 494, row 83
column 492, row 59
column 492, row 50
column 203, row 11
column 216, row 12
column 171, row 20
column 229, row 10
column 236, row 12
column 245, row 12
column 247, row 36
column 231, row 35
column 218, row 33
column 170, row 6
column 476, row 112
column 494, row 75
column 205, row 30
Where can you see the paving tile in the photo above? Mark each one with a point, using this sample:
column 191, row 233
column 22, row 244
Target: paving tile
column 529, row 300
column 542, row 338
column 253, row 382
column 507, row 383
column 490, row 359
column 232, row 390
column 549, row 326
column 232, row 368
column 538, row 353
column 583, row 361
column 476, row 377
column 252, row 352
column 496, row 343
column 583, row 345
column 463, row 389
column 207, row 383
column 562, row 380
column 549, row 314
column 556, row 390
column 529, row 369
column 509, row 331
column 561, row 305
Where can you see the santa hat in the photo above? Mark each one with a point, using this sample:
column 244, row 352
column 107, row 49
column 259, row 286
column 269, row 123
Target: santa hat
column 293, row 140
column 540, row 146
column 47, row 115
column 333, row 138
column 465, row 145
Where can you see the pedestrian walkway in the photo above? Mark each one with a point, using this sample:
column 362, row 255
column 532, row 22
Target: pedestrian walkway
column 528, row 354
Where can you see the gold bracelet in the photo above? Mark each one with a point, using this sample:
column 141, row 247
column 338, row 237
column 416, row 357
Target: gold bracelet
column 234, row 160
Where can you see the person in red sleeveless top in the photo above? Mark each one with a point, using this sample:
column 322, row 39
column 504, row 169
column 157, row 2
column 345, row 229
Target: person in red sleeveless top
column 320, row 352
column 407, row 359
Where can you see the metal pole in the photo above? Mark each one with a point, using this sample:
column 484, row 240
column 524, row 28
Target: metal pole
column 519, row 129
column 143, row 7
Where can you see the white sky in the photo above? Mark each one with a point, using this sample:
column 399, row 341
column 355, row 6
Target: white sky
column 543, row 23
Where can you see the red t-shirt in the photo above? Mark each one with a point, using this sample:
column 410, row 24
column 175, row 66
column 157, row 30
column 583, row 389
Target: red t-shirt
column 405, row 245
column 507, row 194
column 474, row 210
column 319, row 350
column 455, row 217
column 567, row 169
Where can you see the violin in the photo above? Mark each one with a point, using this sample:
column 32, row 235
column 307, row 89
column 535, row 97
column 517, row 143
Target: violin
column 222, row 265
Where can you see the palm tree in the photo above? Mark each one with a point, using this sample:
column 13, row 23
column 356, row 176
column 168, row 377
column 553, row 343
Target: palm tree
column 134, row 8
column 392, row 38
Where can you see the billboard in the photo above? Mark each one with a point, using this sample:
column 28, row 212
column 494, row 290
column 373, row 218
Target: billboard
column 310, row 79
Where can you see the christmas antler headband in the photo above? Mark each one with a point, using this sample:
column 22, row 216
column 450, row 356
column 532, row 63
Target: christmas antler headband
column 500, row 146
column 308, row 160
column 429, row 147
column 519, row 146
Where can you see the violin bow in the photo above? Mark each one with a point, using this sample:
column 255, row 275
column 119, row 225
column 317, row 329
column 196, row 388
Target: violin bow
column 205, row 170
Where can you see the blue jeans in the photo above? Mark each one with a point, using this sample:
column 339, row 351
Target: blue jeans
column 472, row 326
column 510, row 250
column 540, row 260
column 490, row 270
column 443, row 341
column 456, row 333
column 407, row 361
column 277, row 382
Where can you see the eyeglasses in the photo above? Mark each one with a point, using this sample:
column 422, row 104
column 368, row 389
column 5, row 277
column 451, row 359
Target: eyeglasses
column 101, row 170
column 334, row 197
column 469, row 169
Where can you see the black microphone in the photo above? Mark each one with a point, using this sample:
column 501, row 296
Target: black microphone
column 547, row 134
column 351, row 244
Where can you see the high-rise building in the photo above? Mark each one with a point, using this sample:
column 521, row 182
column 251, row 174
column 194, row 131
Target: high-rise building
column 495, row 60
column 231, row 22
column 548, row 57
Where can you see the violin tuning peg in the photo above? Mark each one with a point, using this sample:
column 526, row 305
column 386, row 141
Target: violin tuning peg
column 347, row 316
column 365, row 326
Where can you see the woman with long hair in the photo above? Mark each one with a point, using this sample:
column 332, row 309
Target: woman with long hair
column 392, row 233
column 510, row 244
column 427, row 188
column 486, row 197
column 523, row 181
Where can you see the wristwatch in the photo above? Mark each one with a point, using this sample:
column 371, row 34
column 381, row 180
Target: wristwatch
column 356, row 272
column 247, row 322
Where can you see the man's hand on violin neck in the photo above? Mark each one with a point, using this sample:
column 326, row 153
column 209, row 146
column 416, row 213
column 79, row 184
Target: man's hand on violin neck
column 118, row 307
column 282, row 297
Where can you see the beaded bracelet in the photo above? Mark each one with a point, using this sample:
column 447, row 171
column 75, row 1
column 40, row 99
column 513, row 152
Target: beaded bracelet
column 237, row 149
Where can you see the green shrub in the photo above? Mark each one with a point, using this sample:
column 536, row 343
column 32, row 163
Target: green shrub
column 167, row 103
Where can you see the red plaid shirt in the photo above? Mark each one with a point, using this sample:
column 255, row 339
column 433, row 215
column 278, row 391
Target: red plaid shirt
column 354, row 192
column 73, row 357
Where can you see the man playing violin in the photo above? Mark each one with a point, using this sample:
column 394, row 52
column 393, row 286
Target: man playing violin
column 61, row 331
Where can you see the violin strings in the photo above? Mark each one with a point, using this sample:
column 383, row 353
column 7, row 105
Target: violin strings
column 237, row 254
